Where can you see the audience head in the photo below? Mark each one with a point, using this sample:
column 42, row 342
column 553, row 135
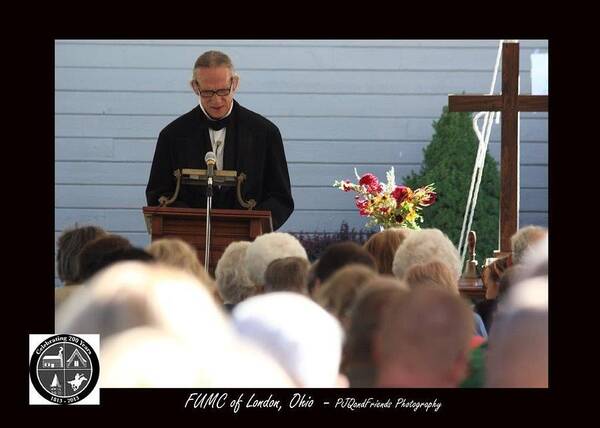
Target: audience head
column 150, row 319
column 70, row 244
column 102, row 252
column 491, row 274
column 311, row 278
column 337, row 256
column 268, row 247
column 523, row 239
column 424, row 340
column 177, row 253
column 423, row 246
column 298, row 333
column 338, row 293
column 383, row 245
column 232, row 278
column 358, row 362
column 535, row 260
column 517, row 354
column 131, row 294
column 433, row 274
column 287, row 274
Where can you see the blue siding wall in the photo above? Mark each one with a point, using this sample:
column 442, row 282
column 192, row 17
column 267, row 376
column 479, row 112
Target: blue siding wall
column 339, row 104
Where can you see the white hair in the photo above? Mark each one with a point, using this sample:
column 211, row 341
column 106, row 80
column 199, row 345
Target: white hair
column 269, row 247
column 303, row 337
column 523, row 239
column 424, row 246
column 231, row 275
column 534, row 261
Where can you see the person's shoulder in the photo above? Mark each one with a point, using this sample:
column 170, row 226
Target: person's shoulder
column 256, row 121
column 182, row 122
column 63, row 293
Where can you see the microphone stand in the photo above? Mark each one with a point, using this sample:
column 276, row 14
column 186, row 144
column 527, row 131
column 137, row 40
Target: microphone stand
column 209, row 191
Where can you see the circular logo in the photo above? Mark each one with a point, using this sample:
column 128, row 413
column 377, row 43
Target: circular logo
column 64, row 369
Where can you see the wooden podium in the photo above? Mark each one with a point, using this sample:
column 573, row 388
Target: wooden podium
column 189, row 224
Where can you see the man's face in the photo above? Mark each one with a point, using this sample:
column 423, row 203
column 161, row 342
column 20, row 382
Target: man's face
column 214, row 79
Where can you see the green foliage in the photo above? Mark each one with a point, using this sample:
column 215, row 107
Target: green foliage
column 448, row 162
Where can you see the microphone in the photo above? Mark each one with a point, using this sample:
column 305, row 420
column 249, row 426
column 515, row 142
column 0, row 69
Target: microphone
column 211, row 161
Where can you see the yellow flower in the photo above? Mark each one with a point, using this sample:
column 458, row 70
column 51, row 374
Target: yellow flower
column 411, row 216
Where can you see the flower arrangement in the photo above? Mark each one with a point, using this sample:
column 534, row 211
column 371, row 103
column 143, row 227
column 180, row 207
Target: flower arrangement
column 388, row 205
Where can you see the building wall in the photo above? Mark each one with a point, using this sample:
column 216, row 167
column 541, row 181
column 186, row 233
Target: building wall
column 339, row 104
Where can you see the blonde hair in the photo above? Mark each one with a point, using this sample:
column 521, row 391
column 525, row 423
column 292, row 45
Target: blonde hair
column 433, row 274
column 338, row 293
column 382, row 246
column 177, row 253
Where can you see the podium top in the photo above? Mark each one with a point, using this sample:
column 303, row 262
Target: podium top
column 263, row 216
column 220, row 212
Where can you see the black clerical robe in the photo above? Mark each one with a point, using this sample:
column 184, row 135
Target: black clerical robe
column 253, row 145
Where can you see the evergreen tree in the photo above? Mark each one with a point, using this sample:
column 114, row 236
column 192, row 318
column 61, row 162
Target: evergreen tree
column 448, row 162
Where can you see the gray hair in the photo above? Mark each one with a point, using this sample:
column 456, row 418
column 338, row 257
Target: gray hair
column 523, row 239
column 232, row 278
column 213, row 59
column 269, row 247
column 424, row 246
column 210, row 59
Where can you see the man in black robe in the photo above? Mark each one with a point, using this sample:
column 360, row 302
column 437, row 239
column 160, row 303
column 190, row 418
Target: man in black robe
column 242, row 140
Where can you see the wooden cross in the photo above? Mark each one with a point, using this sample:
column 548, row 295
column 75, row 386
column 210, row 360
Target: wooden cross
column 509, row 103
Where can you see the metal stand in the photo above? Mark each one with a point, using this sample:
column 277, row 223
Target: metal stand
column 200, row 177
column 208, row 207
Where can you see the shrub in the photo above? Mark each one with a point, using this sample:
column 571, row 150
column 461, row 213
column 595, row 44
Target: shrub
column 448, row 162
column 315, row 243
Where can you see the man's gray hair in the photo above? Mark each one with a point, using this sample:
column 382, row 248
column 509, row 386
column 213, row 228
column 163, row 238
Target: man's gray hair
column 424, row 246
column 231, row 275
column 214, row 59
column 269, row 247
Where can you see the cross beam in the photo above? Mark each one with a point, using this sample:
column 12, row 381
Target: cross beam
column 509, row 103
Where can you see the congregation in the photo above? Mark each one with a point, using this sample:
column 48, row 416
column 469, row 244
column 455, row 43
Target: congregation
column 387, row 314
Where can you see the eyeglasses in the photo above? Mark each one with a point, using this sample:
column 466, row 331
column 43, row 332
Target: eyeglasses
column 208, row 93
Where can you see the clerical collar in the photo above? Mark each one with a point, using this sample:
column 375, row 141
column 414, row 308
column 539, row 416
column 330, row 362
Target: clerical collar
column 217, row 124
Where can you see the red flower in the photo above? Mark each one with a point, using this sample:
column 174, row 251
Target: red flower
column 401, row 193
column 428, row 200
column 371, row 182
column 362, row 206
